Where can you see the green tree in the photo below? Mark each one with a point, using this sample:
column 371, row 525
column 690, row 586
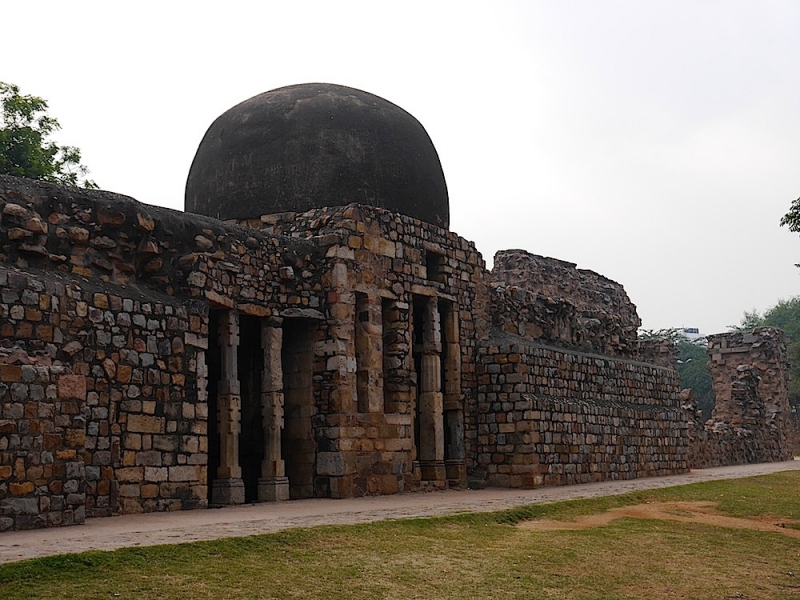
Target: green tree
column 692, row 365
column 792, row 218
column 786, row 315
column 750, row 320
column 25, row 147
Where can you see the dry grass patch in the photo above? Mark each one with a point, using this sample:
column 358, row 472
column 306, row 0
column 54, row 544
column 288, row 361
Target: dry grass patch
column 672, row 553
column 703, row 512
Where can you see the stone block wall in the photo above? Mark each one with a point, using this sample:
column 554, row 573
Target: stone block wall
column 42, row 434
column 137, row 429
column 548, row 416
column 344, row 351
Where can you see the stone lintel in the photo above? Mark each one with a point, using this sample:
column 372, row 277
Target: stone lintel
column 218, row 300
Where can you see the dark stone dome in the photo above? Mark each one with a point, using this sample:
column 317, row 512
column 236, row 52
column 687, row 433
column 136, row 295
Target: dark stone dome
column 315, row 145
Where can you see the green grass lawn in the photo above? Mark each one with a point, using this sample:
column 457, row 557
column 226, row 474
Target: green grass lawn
column 464, row 556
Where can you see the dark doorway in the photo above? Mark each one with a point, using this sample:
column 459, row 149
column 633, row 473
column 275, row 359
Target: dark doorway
column 251, row 439
column 298, row 445
column 417, row 321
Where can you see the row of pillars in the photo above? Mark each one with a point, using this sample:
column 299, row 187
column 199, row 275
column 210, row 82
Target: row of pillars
column 439, row 403
column 228, row 487
column 440, row 406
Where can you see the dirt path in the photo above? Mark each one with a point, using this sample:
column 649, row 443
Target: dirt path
column 684, row 512
column 172, row 528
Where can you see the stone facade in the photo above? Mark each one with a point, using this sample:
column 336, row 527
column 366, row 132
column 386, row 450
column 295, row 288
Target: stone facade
column 751, row 421
column 153, row 360
column 323, row 354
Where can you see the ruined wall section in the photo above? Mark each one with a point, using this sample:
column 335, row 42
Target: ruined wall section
column 552, row 302
column 549, row 416
column 111, row 238
column 750, row 422
column 661, row 352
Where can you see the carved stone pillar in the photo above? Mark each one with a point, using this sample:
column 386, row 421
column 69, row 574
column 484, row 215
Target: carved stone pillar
column 369, row 354
column 273, row 485
column 431, row 399
column 228, row 487
column 453, row 402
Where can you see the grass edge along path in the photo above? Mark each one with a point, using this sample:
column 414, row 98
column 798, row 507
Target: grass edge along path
column 468, row 555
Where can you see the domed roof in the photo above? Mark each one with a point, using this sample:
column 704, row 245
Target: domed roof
column 315, row 145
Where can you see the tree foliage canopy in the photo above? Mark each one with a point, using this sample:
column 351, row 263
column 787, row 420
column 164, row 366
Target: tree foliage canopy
column 692, row 365
column 792, row 218
column 25, row 147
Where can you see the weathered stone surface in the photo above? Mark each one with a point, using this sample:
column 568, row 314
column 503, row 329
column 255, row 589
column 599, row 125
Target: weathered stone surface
column 309, row 146
column 751, row 417
column 551, row 301
column 547, row 415
column 72, row 387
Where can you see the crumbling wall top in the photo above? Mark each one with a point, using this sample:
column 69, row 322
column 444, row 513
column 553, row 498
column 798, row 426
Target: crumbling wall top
column 579, row 308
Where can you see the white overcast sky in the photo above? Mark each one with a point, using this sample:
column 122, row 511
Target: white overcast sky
column 656, row 143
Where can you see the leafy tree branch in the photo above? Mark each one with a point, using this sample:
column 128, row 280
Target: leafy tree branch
column 25, row 147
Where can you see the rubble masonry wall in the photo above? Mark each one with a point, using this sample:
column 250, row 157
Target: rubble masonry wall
column 751, row 420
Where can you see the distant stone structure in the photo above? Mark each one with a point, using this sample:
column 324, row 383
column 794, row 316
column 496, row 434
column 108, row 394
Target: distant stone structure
column 315, row 331
column 751, row 421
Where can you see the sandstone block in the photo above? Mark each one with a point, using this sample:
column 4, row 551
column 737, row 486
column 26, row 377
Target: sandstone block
column 145, row 424
column 184, row 473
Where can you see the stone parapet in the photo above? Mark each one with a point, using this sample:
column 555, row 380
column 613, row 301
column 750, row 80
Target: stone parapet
column 110, row 238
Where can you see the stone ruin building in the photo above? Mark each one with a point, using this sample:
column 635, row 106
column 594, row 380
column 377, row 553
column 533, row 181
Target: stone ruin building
column 309, row 327
column 751, row 421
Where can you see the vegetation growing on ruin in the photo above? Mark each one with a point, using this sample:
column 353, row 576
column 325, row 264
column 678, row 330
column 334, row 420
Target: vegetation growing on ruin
column 464, row 556
column 26, row 149
column 692, row 365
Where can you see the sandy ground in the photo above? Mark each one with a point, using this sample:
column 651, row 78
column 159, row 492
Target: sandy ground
column 172, row 528
column 684, row 512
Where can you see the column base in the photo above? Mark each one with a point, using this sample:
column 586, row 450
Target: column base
column 227, row 491
column 433, row 470
column 273, row 489
column 456, row 472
